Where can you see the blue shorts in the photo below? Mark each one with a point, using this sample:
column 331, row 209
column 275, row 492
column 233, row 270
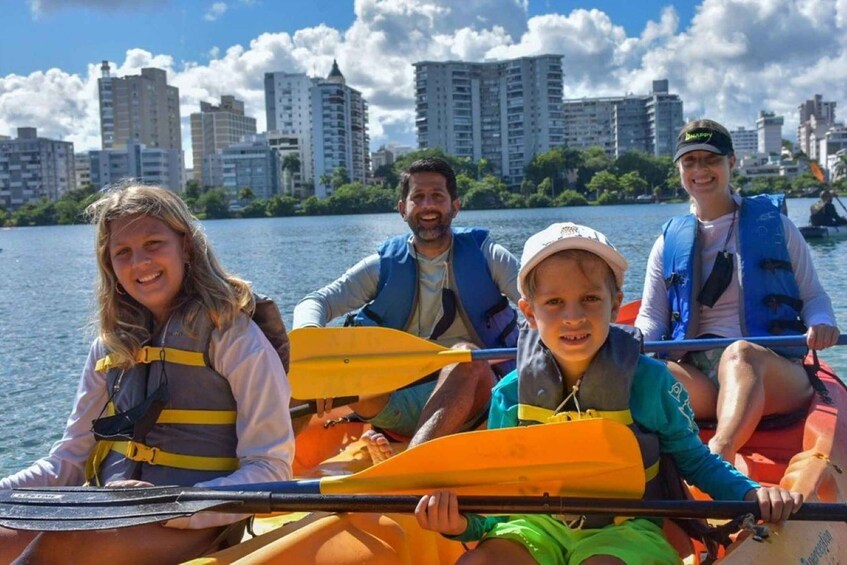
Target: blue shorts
column 403, row 410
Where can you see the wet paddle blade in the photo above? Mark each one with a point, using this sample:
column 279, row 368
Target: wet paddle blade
column 330, row 362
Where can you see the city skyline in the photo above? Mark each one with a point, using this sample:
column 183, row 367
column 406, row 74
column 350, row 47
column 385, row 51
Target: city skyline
column 727, row 59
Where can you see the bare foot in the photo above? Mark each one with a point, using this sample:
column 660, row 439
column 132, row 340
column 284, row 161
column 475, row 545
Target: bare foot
column 378, row 446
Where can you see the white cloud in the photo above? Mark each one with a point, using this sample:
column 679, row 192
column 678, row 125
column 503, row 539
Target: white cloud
column 734, row 58
column 215, row 11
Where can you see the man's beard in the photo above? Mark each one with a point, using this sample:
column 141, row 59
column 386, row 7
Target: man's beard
column 432, row 233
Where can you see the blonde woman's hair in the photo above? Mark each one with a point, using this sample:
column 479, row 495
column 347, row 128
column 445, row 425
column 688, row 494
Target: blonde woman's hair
column 125, row 325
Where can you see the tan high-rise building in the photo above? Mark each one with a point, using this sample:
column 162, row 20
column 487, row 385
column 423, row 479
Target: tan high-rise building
column 139, row 109
column 213, row 129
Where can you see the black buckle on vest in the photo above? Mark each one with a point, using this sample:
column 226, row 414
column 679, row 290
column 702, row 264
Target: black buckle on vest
column 674, row 279
column 774, row 264
column 774, row 300
column 779, row 327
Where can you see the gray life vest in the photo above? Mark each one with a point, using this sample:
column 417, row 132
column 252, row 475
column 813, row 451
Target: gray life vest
column 193, row 438
column 604, row 392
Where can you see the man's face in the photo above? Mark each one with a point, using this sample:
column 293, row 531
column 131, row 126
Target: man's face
column 428, row 209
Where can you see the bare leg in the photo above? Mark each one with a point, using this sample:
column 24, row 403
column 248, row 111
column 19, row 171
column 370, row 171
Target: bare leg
column 754, row 381
column 13, row 543
column 462, row 392
column 497, row 551
column 151, row 543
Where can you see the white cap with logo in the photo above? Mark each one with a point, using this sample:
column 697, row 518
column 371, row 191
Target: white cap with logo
column 567, row 235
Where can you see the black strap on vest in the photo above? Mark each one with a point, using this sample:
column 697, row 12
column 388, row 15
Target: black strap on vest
column 774, row 300
column 774, row 264
column 779, row 327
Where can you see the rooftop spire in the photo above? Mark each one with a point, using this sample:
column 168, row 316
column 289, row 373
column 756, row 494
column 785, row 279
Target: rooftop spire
column 335, row 74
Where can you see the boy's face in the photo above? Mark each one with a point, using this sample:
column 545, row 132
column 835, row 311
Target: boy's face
column 572, row 308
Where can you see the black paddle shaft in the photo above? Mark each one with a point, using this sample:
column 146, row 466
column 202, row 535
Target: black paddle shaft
column 85, row 508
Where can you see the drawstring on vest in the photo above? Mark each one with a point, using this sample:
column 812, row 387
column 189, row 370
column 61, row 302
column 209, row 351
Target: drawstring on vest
column 574, row 390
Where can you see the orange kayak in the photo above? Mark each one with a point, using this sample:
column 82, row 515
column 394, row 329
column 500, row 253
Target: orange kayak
column 803, row 456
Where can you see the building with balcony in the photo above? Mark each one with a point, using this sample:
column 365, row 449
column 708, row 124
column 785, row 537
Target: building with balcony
column 34, row 168
column 213, row 129
column 503, row 111
column 647, row 123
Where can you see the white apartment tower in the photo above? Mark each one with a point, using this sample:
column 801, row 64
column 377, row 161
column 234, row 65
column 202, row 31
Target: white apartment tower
column 816, row 117
column 213, row 129
column 288, row 105
column 648, row 123
column 33, row 168
column 769, row 131
column 745, row 142
column 139, row 109
column 330, row 120
column 503, row 111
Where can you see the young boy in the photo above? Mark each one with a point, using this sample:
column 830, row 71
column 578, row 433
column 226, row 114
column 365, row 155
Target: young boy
column 571, row 359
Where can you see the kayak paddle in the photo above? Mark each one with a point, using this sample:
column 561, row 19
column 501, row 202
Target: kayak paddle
column 90, row 508
column 601, row 459
column 329, row 362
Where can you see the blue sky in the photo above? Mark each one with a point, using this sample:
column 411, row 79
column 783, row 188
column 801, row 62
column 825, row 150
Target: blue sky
column 727, row 59
column 71, row 37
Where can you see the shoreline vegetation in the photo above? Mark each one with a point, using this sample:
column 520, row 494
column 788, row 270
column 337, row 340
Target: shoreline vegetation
column 557, row 178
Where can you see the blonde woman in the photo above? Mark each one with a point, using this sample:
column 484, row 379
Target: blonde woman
column 178, row 366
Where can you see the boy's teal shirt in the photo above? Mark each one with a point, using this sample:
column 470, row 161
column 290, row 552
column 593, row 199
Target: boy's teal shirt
column 658, row 404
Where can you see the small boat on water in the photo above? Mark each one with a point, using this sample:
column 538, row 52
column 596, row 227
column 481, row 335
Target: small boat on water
column 807, row 454
column 812, row 233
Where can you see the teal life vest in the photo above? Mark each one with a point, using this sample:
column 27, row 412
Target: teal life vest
column 604, row 392
column 770, row 302
column 485, row 310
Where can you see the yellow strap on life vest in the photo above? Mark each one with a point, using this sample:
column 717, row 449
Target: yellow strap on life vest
column 95, row 459
column 155, row 456
column 148, row 354
column 538, row 414
column 200, row 417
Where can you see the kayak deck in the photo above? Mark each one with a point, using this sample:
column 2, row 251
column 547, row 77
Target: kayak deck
column 803, row 456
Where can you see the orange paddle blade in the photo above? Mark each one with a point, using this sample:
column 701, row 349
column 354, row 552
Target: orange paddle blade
column 596, row 458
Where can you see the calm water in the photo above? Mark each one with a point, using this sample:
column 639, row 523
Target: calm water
column 47, row 275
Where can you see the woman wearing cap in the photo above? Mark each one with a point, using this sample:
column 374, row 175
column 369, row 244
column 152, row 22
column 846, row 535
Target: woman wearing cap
column 734, row 267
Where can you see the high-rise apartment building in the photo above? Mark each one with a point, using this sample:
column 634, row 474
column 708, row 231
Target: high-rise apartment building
column 33, row 168
column 769, row 133
column 139, row 109
column 503, row 111
column 745, row 142
column 648, row 123
column 815, row 117
column 330, row 120
column 252, row 164
column 213, row 129
column 139, row 163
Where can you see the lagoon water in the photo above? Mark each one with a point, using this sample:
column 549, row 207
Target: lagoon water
column 47, row 275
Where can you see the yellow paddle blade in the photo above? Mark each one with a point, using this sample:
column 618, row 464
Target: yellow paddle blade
column 331, row 362
column 596, row 458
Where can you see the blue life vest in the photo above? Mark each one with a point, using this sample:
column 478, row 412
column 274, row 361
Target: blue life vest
column 479, row 300
column 770, row 296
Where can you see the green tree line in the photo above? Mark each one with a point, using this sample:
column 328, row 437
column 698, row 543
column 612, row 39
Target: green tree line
column 559, row 177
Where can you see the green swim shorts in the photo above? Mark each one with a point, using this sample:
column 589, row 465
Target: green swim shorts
column 635, row 542
column 707, row 361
